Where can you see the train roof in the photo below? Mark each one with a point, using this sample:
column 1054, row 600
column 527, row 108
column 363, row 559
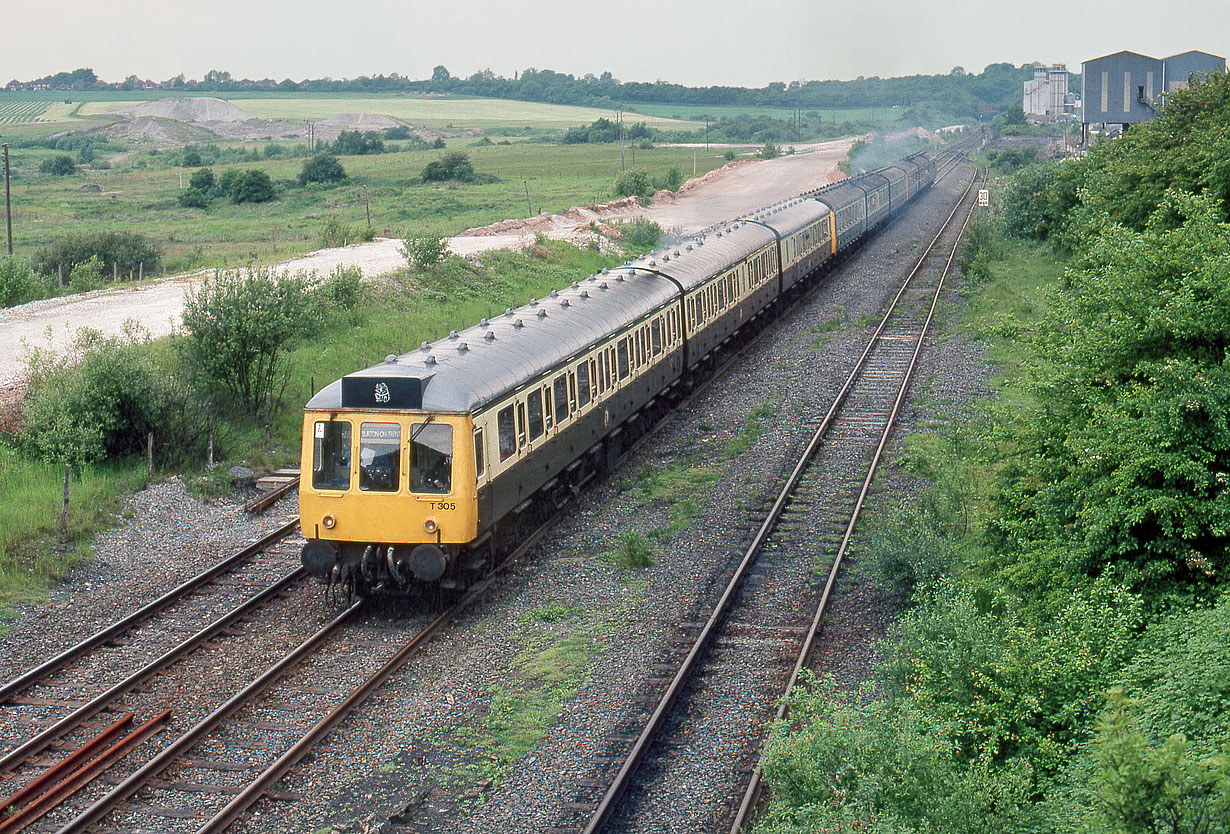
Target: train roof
column 481, row 364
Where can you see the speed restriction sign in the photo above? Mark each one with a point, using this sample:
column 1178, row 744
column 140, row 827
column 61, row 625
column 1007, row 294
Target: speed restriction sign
column 984, row 197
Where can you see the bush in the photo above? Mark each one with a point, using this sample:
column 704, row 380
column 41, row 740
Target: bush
column 86, row 276
column 634, row 184
column 126, row 250
column 339, row 233
column 342, row 290
column 106, row 404
column 203, row 181
column 671, row 180
column 59, row 166
column 253, row 186
column 191, row 158
column 438, row 143
column 454, row 165
column 399, row 132
column 193, row 198
column 20, row 282
column 642, row 234
column 769, row 151
column 424, row 252
column 354, row 143
column 323, row 167
column 238, row 327
column 633, row 551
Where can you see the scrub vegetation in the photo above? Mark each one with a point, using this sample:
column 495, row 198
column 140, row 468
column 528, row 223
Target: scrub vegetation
column 1061, row 663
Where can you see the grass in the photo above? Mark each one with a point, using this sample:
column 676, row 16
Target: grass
column 33, row 552
column 754, row 426
column 546, row 674
column 139, row 193
column 826, row 330
column 632, row 552
column 681, row 488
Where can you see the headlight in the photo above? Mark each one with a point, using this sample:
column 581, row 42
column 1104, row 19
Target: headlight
column 431, row 525
column 329, row 522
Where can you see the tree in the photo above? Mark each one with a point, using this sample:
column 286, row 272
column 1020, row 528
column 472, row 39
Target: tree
column 424, row 252
column 238, row 328
column 634, row 184
column 324, row 167
column 59, row 166
column 440, row 74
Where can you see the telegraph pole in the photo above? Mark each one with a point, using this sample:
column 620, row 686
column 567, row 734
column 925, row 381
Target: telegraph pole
column 8, row 200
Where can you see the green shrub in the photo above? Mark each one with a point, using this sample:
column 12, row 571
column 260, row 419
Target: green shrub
column 642, row 234
column 424, row 252
column 193, row 198
column 253, row 186
column 342, row 289
column 20, row 282
column 127, row 251
column 86, row 276
column 769, row 151
column 238, row 328
column 323, row 167
column 59, row 165
column 671, row 180
column 454, row 165
column 105, row 405
column 203, row 180
column 337, row 232
column 634, row 184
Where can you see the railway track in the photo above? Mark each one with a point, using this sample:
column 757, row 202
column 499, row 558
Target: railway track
column 215, row 770
column 756, row 624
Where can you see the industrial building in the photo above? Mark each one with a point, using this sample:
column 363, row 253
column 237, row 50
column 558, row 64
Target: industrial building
column 1125, row 88
column 1046, row 96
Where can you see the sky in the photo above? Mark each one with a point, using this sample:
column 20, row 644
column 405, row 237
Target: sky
column 748, row 43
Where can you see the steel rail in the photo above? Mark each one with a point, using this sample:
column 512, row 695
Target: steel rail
column 33, row 676
column 32, row 747
column 751, row 795
column 189, row 739
column 640, row 748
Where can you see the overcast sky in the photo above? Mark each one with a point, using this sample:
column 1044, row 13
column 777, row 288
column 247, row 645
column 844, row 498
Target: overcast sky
column 745, row 43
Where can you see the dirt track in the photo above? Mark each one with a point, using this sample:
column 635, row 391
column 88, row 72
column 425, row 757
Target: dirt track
column 721, row 195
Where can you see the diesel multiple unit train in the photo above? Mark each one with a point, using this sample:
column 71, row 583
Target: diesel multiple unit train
column 419, row 471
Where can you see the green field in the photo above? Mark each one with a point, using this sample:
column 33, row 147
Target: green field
column 697, row 112
column 139, row 194
column 418, row 110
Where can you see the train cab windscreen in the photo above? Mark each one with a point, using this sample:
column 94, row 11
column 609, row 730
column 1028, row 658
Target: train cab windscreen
column 379, row 457
column 331, row 455
column 431, row 458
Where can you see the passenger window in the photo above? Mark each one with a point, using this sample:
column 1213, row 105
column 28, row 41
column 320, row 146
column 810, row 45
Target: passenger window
column 431, row 458
column 534, row 400
column 546, row 406
column 561, row 396
column 655, row 336
column 572, row 386
column 507, row 436
column 479, row 467
column 379, row 456
column 520, row 425
column 582, row 385
column 331, row 456
column 622, row 358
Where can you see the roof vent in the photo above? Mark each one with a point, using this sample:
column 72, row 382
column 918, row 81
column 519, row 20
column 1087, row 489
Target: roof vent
column 452, row 334
column 555, row 293
column 604, row 286
column 575, row 285
column 653, row 263
column 542, row 314
column 533, row 301
column 490, row 337
column 518, row 324
column 619, row 277
column 508, row 312
column 431, row 360
column 463, row 347
column 425, row 345
column 666, row 258
column 584, row 293
column 390, row 359
column 689, row 247
column 484, row 323
column 563, row 303
column 676, row 253
column 605, row 270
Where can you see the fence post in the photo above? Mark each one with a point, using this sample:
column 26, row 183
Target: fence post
column 60, row 273
column 115, row 271
column 68, row 472
column 141, row 270
column 209, row 454
column 149, row 459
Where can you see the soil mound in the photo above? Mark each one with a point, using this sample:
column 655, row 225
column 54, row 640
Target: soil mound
column 195, row 109
column 148, row 130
